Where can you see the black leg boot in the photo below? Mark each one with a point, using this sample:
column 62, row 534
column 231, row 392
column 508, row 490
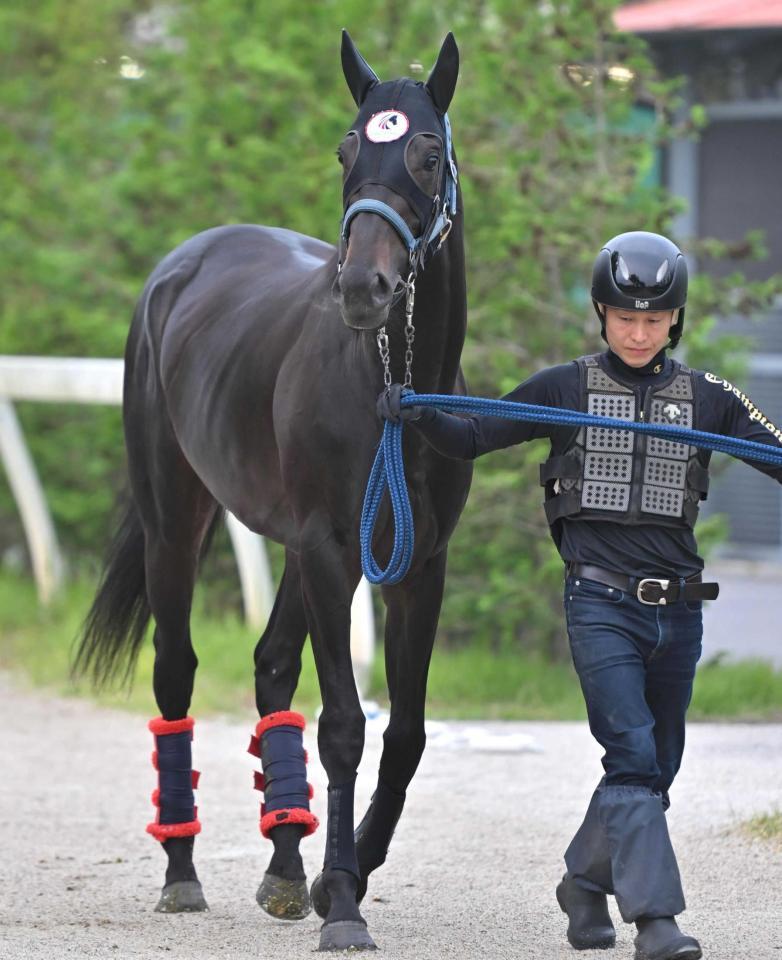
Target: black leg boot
column 590, row 926
column 659, row 938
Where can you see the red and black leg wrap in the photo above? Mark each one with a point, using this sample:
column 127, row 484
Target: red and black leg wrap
column 177, row 814
column 279, row 743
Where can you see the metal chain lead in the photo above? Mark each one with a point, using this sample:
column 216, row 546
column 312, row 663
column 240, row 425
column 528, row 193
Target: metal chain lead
column 409, row 329
column 383, row 344
column 385, row 355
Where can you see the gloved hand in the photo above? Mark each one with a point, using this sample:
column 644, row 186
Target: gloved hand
column 389, row 405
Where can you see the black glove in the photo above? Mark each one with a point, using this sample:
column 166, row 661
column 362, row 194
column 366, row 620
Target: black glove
column 389, row 405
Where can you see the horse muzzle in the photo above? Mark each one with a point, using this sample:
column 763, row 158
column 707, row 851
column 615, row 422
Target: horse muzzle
column 365, row 296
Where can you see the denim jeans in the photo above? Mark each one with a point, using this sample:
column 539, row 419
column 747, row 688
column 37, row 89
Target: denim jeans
column 636, row 664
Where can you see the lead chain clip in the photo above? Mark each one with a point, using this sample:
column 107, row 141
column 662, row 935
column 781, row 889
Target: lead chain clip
column 385, row 356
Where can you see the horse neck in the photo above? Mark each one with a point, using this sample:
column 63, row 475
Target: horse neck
column 440, row 320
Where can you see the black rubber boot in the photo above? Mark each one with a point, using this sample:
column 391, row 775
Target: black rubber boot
column 590, row 926
column 659, row 938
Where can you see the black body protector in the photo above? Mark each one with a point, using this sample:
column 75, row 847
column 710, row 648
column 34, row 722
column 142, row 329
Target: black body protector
column 619, row 475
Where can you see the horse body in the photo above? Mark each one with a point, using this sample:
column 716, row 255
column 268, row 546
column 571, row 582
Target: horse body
column 260, row 376
column 251, row 378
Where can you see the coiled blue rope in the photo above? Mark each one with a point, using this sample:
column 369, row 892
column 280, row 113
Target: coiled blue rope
column 388, row 470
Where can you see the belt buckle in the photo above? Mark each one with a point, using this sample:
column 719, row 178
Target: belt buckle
column 663, row 584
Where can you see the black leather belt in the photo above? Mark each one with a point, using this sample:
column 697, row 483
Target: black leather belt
column 650, row 590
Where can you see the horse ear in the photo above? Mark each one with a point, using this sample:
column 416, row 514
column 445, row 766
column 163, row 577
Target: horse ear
column 358, row 73
column 442, row 80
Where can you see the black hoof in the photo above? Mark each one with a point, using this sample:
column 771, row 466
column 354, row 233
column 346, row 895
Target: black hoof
column 321, row 901
column 346, row 935
column 283, row 899
column 183, row 896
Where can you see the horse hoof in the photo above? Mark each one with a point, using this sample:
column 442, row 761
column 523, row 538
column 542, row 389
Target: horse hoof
column 183, row 896
column 319, row 896
column 321, row 900
column 283, row 899
column 346, row 935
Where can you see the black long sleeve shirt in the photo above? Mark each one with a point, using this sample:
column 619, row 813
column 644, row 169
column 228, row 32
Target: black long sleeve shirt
column 637, row 550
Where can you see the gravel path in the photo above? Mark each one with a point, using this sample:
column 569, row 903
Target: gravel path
column 471, row 871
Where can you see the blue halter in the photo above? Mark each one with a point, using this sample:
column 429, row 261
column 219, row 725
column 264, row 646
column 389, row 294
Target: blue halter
column 445, row 208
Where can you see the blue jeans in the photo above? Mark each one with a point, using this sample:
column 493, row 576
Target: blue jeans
column 636, row 664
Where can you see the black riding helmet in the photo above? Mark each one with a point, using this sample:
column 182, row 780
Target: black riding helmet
column 641, row 271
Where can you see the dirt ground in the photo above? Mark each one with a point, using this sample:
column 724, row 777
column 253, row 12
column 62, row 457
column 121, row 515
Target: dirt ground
column 471, row 872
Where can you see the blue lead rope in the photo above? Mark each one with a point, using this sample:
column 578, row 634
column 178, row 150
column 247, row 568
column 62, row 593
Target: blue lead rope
column 388, row 470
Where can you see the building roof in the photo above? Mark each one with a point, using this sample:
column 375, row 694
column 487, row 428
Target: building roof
column 667, row 16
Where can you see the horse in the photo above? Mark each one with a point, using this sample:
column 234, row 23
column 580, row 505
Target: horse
column 251, row 375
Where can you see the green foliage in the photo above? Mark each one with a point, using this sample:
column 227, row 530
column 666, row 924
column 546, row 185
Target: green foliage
column 160, row 120
column 467, row 683
column 765, row 826
column 37, row 643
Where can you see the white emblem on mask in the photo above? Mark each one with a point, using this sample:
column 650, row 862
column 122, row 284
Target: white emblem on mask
column 387, row 125
column 672, row 411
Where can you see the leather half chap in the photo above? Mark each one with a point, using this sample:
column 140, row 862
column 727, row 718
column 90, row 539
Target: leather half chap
column 279, row 743
column 177, row 814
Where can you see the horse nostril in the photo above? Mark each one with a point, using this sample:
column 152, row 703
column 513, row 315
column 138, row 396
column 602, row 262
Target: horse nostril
column 380, row 290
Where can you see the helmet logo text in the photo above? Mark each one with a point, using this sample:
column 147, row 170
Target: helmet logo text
column 641, row 304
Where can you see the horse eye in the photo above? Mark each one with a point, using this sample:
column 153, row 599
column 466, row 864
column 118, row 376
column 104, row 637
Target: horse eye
column 431, row 162
column 340, row 158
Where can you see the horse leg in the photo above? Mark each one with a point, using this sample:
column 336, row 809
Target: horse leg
column 413, row 609
column 328, row 584
column 170, row 572
column 283, row 891
column 176, row 512
column 412, row 612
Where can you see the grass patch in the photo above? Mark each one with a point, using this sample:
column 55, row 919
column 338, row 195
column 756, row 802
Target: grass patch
column 38, row 642
column 766, row 826
column 749, row 690
column 474, row 684
column 469, row 683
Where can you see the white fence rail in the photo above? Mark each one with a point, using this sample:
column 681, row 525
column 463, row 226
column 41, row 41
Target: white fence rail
column 99, row 381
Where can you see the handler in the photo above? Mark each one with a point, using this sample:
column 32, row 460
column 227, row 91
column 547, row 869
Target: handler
column 622, row 507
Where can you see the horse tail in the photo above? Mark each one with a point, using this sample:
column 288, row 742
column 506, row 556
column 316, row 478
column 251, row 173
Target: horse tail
column 115, row 626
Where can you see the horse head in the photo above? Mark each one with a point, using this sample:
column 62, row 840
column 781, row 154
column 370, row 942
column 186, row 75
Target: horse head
column 399, row 182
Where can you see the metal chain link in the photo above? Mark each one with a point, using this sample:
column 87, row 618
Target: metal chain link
column 383, row 344
column 409, row 329
column 385, row 355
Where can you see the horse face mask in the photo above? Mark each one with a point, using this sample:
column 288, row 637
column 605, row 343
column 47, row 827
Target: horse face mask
column 392, row 117
column 397, row 123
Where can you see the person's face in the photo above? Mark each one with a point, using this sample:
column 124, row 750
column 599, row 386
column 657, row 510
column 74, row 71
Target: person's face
column 636, row 336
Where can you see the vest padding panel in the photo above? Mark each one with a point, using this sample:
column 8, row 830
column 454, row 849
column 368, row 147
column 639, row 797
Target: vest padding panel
column 624, row 476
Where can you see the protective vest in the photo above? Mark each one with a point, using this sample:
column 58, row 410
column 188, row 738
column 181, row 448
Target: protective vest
column 619, row 475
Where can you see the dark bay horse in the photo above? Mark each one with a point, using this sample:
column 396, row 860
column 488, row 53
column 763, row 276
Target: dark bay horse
column 251, row 377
